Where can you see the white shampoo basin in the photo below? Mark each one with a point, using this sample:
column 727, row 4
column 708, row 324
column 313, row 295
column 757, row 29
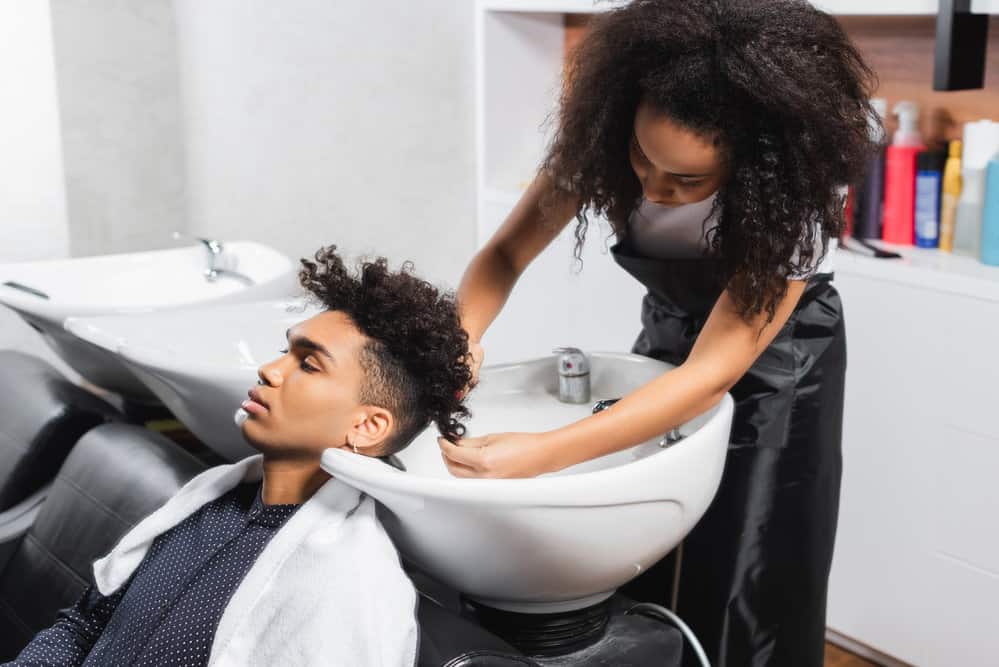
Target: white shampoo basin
column 557, row 542
column 45, row 293
column 199, row 362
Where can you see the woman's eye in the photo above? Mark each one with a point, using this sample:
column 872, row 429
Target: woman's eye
column 283, row 351
column 307, row 367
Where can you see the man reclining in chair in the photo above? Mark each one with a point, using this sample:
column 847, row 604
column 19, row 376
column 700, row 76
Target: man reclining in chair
column 269, row 561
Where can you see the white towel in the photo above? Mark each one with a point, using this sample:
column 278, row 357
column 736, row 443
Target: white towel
column 328, row 589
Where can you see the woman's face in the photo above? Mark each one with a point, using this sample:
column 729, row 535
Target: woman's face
column 674, row 165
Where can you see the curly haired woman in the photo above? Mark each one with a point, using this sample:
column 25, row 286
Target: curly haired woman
column 715, row 136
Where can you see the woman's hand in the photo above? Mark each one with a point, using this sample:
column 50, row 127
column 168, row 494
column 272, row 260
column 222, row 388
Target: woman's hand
column 499, row 455
column 477, row 354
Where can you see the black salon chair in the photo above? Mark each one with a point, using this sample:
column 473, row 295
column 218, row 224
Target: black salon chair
column 114, row 476
column 42, row 416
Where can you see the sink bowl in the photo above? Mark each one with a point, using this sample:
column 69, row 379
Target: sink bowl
column 558, row 542
column 45, row 293
column 198, row 362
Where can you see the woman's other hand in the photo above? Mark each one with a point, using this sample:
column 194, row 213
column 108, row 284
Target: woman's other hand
column 477, row 354
column 499, row 455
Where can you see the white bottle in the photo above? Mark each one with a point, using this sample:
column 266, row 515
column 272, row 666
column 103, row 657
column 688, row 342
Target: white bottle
column 981, row 144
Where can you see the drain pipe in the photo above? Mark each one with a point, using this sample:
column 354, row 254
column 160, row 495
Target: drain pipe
column 663, row 614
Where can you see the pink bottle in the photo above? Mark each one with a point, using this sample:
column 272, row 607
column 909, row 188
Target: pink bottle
column 900, row 177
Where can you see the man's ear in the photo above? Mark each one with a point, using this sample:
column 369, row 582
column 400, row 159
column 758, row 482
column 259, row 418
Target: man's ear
column 372, row 427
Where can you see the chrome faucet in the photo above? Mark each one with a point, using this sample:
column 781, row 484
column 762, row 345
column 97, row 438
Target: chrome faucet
column 215, row 248
column 573, row 375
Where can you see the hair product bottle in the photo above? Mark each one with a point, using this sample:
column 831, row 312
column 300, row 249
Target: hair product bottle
column 929, row 175
column 951, row 192
column 990, row 215
column 869, row 197
column 900, row 176
column 981, row 143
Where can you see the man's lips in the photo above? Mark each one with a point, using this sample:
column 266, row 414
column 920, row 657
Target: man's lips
column 254, row 404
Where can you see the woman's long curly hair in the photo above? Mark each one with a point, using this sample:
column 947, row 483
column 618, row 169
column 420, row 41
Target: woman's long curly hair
column 416, row 361
column 775, row 83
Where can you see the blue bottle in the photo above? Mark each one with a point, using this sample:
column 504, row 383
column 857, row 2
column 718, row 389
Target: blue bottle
column 929, row 179
column 990, row 215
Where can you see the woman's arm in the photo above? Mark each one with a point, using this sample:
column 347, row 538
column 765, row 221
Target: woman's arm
column 494, row 270
column 725, row 349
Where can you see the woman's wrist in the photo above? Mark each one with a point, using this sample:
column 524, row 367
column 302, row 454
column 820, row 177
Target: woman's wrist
column 558, row 451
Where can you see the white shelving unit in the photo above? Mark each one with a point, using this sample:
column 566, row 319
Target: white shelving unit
column 916, row 569
column 520, row 47
column 843, row 7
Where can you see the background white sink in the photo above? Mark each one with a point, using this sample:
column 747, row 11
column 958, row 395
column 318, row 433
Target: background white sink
column 557, row 542
column 199, row 362
column 133, row 283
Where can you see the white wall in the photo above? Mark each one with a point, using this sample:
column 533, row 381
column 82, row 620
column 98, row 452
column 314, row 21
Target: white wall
column 311, row 122
column 32, row 196
column 116, row 67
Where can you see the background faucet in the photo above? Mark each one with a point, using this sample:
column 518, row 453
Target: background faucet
column 214, row 270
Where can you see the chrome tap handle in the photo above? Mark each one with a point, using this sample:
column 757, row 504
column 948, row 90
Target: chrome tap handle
column 600, row 406
column 573, row 375
column 212, row 246
column 572, row 361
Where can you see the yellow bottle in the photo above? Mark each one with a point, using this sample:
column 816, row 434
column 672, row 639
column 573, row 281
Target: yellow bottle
column 951, row 193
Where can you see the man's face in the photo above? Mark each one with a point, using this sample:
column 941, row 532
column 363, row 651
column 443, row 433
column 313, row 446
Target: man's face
column 308, row 397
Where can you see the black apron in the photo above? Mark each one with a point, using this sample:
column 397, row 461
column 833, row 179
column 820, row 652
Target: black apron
column 754, row 570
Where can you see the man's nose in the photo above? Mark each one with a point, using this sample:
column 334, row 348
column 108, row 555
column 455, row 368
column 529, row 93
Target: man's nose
column 270, row 374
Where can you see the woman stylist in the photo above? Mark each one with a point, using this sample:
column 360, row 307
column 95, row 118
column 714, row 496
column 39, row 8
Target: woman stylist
column 715, row 137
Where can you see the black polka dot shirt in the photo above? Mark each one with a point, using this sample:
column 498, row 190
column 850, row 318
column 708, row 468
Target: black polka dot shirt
column 169, row 610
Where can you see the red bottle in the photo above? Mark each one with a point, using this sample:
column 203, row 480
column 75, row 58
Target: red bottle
column 900, row 178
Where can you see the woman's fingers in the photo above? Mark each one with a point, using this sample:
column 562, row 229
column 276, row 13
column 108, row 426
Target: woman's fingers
column 457, row 469
column 478, row 356
column 469, row 454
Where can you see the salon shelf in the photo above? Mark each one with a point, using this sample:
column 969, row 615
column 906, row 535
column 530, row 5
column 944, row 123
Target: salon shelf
column 550, row 6
column 927, row 269
column 842, row 7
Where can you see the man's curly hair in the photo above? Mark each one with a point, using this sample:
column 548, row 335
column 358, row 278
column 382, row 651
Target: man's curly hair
column 416, row 359
column 776, row 83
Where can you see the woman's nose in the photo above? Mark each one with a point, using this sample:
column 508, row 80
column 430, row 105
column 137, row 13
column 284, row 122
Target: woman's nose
column 657, row 188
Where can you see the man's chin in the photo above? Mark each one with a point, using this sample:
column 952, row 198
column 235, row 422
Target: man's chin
column 273, row 446
column 256, row 436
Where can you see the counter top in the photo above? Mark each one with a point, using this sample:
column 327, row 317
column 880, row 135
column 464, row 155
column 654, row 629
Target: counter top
column 926, row 269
